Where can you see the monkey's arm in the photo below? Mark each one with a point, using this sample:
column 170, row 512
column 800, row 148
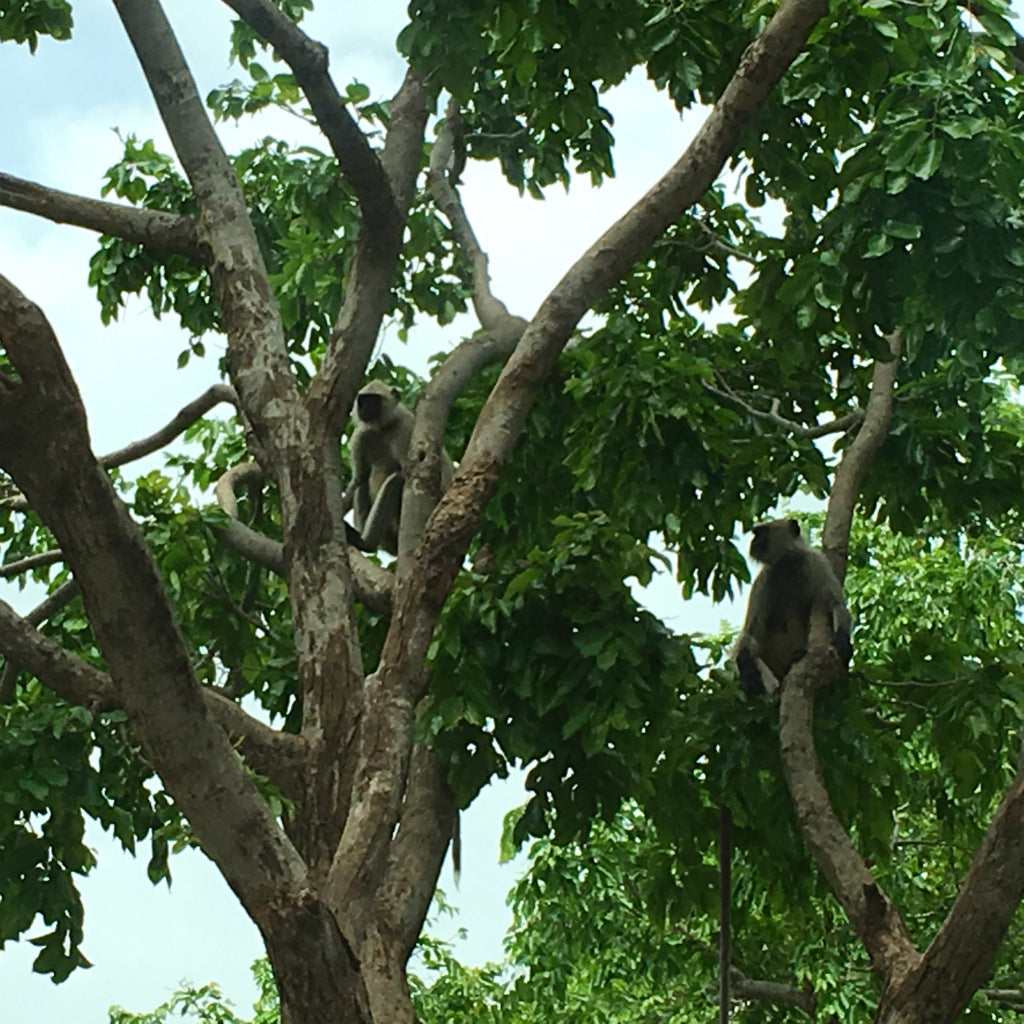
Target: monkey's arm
column 358, row 493
column 755, row 676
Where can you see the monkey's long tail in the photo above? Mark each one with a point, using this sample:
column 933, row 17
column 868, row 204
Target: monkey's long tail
column 725, row 896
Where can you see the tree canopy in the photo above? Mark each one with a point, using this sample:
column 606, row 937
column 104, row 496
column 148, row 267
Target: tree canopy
column 821, row 297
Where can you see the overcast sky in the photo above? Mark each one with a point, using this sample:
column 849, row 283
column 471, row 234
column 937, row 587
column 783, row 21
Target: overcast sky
column 58, row 127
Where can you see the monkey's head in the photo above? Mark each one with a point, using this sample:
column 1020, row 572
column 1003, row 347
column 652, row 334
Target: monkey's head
column 775, row 539
column 376, row 402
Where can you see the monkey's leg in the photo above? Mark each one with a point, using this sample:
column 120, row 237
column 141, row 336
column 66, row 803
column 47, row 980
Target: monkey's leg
column 751, row 669
column 841, row 635
column 381, row 527
column 360, row 503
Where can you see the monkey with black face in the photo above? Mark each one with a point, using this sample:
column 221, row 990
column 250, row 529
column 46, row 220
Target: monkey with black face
column 379, row 447
column 795, row 581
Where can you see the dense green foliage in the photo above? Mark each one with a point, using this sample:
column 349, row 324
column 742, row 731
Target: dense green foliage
column 882, row 192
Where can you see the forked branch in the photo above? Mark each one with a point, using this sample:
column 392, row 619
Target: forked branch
column 872, row 913
column 840, row 425
column 277, row 755
column 309, row 63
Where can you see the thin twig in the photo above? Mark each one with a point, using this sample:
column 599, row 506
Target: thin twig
column 840, row 425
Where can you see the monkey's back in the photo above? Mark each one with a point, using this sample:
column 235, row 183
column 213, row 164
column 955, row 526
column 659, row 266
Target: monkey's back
column 789, row 594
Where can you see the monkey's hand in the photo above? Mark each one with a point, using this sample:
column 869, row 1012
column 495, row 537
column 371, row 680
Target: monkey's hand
column 750, row 674
column 354, row 539
column 841, row 642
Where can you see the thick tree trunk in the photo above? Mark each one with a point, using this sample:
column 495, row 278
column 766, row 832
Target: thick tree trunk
column 320, row 982
column 318, row 977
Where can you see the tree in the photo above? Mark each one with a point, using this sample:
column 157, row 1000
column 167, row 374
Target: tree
column 889, row 140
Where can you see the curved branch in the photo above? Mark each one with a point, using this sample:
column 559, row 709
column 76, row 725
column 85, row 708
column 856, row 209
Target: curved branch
column 501, row 333
column 491, row 311
column 243, row 540
column 373, row 585
column 146, row 446
column 835, row 538
column 372, row 273
column 278, row 756
column 308, row 60
column 186, row 416
column 773, row 992
column 872, row 913
column 874, row 916
column 840, row 425
column 462, row 364
column 155, row 228
column 69, row 677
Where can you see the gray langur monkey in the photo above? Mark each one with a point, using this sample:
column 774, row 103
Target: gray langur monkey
column 379, row 447
column 794, row 582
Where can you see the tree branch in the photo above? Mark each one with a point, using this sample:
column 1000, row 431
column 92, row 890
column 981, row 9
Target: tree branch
column 720, row 246
column 30, row 562
column 872, row 913
column 773, row 992
column 373, row 585
column 492, row 313
column 257, row 357
column 835, row 538
column 168, row 231
column 44, row 446
column 372, row 273
column 147, row 445
column 960, row 957
column 184, row 419
column 279, row 756
column 74, row 680
column 276, row 755
column 501, row 333
column 403, row 897
column 840, row 425
column 308, row 60
column 42, row 611
column 874, row 916
column 418, row 848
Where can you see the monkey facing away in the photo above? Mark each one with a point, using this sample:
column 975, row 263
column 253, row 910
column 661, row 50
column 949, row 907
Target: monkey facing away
column 379, row 446
column 794, row 581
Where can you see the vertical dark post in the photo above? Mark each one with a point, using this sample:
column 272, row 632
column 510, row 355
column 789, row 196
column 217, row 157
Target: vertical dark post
column 725, row 892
